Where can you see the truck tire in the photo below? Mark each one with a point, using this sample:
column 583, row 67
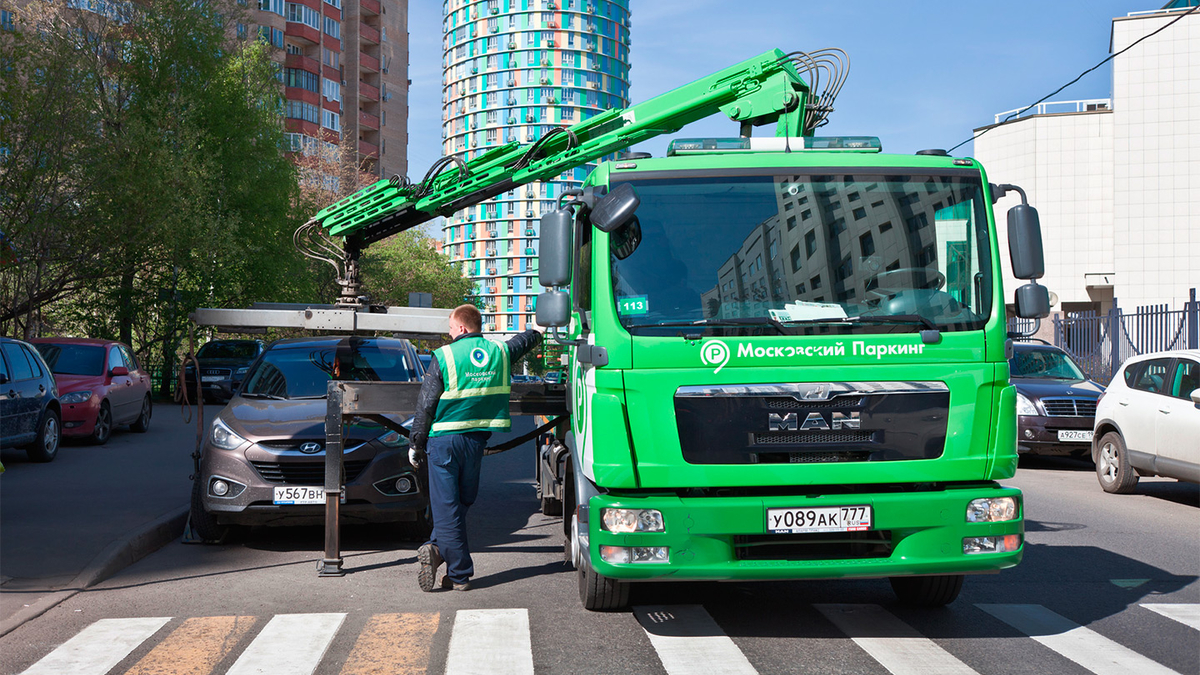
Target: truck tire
column 598, row 593
column 1112, row 465
column 935, row 591
column 204, row 524
column 551, row 507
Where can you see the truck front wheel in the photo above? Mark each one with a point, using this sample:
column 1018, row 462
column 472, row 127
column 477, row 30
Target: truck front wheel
column 598, row 593
column 934, row 591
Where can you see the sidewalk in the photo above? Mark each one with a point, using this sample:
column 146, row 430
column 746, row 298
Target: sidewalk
column 93, row 510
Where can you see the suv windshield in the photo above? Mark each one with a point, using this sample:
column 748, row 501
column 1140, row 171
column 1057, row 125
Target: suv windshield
column 831, row 252
column 228, row 350
column 302, row 370
column 70, row 359
column 1044, row 364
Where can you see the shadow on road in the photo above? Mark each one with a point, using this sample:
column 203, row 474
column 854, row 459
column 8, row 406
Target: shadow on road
column 1052, row 463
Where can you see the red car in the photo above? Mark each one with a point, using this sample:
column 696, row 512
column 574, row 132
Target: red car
column 100, row 386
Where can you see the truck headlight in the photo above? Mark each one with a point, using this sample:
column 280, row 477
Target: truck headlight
column 632, row 520
column 223, row 437
column 1025, row 406
column 991, row 510
column 75, row 397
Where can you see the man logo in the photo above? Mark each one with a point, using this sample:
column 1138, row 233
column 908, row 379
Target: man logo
column 479, row 357
column 310, row 448
column 814, row 421
column 714, row 353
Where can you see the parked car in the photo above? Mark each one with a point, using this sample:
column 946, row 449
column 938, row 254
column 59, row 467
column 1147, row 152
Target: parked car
column 426, row 359
column 101, row 386
column 223, row 366
column 1148, row 422
column 30, row 415
column 1056, row 402
column 526, row 379
column 263, row 461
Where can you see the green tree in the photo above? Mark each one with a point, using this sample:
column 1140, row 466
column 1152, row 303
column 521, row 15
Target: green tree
column 409, row 263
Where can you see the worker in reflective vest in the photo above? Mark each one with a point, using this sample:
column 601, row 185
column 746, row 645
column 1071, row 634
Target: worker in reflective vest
column 463, row 399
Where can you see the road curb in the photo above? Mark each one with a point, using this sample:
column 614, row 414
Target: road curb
column 115, row 557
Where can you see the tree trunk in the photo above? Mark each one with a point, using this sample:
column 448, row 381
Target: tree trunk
column 125, row 296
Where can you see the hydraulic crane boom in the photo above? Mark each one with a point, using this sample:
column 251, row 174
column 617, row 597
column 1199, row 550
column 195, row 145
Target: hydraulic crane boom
column 761, row 90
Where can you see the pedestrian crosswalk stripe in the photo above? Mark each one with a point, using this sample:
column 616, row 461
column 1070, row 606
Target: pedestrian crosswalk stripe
column 689, row 641
column 195, row 647
column 893, row 643
column 1186, row 614
column 97, row 648
column 1081, row 645
column 490, row 642
column 290, row 644
column 393, row 644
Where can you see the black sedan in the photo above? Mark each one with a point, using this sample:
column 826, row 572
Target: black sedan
column 1056, row 402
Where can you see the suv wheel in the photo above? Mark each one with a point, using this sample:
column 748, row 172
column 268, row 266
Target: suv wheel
column 45, row 446
column 204, row 524
column 1115, row 474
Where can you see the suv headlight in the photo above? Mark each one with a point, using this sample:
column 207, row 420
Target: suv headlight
column 75, row 397
column 632, row 520
column 223, row 437
column 392, row 439
column 1025, row 406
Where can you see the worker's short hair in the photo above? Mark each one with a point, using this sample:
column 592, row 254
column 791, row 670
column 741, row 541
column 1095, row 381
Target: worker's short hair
column 469, row 316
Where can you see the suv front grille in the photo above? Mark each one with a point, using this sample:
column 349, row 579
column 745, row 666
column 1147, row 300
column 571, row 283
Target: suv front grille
column 814, row 546
column 1069, row 407
column 305, row 473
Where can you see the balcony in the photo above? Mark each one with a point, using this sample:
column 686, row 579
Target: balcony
column 368, row 33
column 303, row 32
column 368, row 120
column 369, row 6
column 368, row 62
column 303, row 63
column 369, row 92
column 368, row 149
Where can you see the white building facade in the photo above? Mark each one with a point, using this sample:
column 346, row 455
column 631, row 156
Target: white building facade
column 1113, row 179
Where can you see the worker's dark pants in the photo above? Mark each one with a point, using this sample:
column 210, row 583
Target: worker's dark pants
column 453, row 485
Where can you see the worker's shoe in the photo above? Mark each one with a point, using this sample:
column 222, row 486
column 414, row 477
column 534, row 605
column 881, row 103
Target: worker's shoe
column 431, row 559
column 449, row 585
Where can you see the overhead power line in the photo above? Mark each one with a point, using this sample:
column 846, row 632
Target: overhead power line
column 1080, row 77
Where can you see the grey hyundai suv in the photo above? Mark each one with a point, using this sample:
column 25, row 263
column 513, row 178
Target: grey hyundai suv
column 263, row 460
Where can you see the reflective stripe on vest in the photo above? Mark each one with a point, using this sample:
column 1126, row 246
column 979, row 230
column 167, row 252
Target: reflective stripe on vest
column 475, row 373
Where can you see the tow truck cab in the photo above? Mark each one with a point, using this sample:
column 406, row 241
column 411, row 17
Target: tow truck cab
column 787, row 363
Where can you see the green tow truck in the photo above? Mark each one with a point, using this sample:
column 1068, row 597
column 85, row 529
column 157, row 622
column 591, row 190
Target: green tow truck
column 788, row 354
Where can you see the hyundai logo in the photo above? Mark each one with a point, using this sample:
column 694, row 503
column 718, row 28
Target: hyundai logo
column 310, row 448
column 814, row 421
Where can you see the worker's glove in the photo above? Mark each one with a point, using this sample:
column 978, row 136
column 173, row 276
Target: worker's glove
column 416, row 457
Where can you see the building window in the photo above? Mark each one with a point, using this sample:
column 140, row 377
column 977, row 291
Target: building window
column 299, row 110
column 332, row 28
column 330, row 57
column 867, row 244
column 332, row 89
column 796, row 258
column 331, row 120
column 301, row 79
column 810, row 243
column 272, row 36
column 275, row 6
column 334, row 3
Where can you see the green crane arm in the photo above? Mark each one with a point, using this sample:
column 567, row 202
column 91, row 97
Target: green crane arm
column 762, row 90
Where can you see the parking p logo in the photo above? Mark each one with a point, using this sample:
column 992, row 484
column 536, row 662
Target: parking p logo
column 479, row 357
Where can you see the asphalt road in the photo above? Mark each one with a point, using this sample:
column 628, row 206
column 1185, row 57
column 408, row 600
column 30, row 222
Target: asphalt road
column 56, row 518
column 1108, row 585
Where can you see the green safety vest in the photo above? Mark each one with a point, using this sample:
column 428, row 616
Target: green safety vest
column 475, row 372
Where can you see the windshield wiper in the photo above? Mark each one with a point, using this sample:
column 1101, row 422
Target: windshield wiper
column 930, row 327
column 255, row 394
column 704, row 323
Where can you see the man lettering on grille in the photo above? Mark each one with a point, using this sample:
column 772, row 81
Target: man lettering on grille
column 463, row 399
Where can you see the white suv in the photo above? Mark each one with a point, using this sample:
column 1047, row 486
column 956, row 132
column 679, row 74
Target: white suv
column 1148, row 421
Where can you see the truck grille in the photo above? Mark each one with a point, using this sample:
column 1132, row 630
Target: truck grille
column 1069, row 407
column 793, row 404
column 814, row 546
column 818, row 437
column 305, row 473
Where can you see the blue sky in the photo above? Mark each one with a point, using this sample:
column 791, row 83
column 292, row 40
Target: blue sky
column 923, row 74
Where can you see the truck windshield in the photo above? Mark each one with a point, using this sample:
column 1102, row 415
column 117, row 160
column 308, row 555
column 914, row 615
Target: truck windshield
column 805, row 253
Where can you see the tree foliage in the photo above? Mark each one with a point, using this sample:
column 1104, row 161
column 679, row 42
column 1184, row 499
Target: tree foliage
column 409, row 263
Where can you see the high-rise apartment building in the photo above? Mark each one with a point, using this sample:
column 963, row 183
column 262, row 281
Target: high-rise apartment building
column 513, row 70
column 345, row 71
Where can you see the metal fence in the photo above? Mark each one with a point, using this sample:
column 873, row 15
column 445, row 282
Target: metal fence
column 1100, row 343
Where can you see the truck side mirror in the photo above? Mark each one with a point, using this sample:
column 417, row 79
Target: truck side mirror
column 615, row 208
column 1025, row 242
column 554, row 259
column 1033, row 301
column 554, row 309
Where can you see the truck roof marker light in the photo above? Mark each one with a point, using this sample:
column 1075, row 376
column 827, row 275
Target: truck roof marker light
column 717, row 146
